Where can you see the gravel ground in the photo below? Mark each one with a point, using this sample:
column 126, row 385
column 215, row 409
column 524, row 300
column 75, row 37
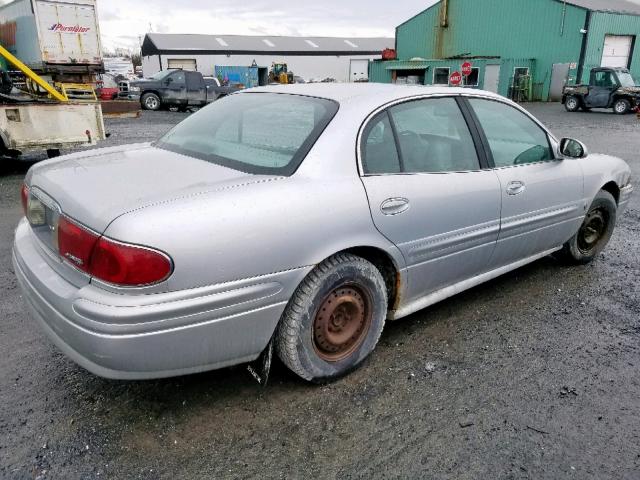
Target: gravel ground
column 533, row 375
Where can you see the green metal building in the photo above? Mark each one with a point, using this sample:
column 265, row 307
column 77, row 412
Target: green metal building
column 524, row 49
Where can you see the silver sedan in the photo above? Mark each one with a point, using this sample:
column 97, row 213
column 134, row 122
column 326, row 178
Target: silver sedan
column 300, row 216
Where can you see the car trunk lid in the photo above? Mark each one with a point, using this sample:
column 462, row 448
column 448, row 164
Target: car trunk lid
column 96, row 188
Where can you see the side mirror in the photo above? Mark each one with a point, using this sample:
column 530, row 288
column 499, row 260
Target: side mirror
column 570, row 148
column 168, row 81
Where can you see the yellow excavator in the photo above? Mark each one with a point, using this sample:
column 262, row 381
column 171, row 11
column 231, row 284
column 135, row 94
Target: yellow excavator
column 280, row 73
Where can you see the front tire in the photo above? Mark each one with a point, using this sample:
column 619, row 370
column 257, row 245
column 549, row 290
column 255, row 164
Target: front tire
column 151, row 101
column 572, row 103
column 595, row 232
column 334, row 319
column 622, row 106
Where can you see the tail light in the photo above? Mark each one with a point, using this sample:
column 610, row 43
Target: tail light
column 108, row 260
column 24, row 196
column 123, row 264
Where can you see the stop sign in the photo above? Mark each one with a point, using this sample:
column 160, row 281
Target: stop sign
column 455, row 78
column 466, row 69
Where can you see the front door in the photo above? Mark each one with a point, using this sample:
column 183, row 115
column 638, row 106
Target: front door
column 492, row 78
column 176, row 88
column 603, row 84
column 542, row 197
column 428, row 194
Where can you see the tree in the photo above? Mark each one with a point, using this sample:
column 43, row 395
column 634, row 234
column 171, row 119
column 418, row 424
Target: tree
column 136, row 59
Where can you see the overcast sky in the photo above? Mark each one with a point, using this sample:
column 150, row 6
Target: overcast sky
column 122, row 22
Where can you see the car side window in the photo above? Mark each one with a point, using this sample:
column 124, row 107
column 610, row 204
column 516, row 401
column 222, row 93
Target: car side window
column 178, row 78
column 604, row 79
column 379, row 147
column 514, row 138
column 434, row 137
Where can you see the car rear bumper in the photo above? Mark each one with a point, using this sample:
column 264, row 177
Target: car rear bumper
column 156, row 335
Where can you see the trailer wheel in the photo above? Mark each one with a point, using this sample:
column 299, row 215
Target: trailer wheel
column 150, row 101
column 572, row 104
column 622, row 106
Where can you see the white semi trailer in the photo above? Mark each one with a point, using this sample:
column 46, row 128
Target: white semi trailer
column 52, row 37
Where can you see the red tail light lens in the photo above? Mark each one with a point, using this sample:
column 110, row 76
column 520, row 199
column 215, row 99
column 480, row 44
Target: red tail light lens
column 24, row 196
column 110, row 261
column 128, row 265
column 75, row 244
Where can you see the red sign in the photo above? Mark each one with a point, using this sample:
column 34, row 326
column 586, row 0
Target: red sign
column 455, row 78
column 466, row 69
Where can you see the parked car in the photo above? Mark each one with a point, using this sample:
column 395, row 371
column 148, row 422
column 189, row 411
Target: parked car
column 608, row 88
column 178, row 88
column 107, row 87
column 362, row 203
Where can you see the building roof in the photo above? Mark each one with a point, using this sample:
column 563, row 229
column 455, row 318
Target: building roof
column 167, row 43
column 365, row 97
column 610, row 6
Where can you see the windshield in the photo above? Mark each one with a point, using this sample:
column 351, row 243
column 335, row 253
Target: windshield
column 260, row 133
column 626, row 80
column 160, row 75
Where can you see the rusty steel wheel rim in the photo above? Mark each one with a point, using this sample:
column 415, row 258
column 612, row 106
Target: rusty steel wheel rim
column 341, row 323
column 592, row 231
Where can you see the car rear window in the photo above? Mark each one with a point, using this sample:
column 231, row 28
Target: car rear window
column 259, row 133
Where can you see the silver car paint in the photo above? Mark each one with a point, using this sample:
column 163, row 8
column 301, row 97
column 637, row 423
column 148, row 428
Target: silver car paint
column 223, row 228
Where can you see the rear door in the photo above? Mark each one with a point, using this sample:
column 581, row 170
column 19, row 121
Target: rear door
column 196, row 89
column 69, row 32
column 542, row 197
column 428, row 194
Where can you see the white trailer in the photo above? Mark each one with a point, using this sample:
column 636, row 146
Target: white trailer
column 53, row 36
column 29, row 127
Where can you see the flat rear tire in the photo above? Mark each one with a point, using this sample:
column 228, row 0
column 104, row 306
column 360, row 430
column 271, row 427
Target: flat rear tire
column 334, row 319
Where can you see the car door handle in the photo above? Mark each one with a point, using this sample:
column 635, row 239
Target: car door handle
column 394, row 206
column 516, row 188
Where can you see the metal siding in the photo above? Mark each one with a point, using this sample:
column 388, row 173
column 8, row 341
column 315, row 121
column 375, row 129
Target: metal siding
column 415, row 37
column 506, row 28
column 378, row 72
column 603, row 24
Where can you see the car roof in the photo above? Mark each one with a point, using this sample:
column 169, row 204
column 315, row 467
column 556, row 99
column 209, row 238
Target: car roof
column 368, row 93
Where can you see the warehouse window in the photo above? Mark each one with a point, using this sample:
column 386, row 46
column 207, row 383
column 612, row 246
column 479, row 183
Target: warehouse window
column 441, row 76
column 472, row 79
column 410, row 77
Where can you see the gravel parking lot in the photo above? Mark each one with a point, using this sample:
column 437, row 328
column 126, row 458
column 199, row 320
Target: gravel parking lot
column 533, row 375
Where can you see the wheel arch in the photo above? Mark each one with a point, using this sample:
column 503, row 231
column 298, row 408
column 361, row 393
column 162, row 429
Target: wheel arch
column 155, row 92
column 387, row 266
column 613, row 188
